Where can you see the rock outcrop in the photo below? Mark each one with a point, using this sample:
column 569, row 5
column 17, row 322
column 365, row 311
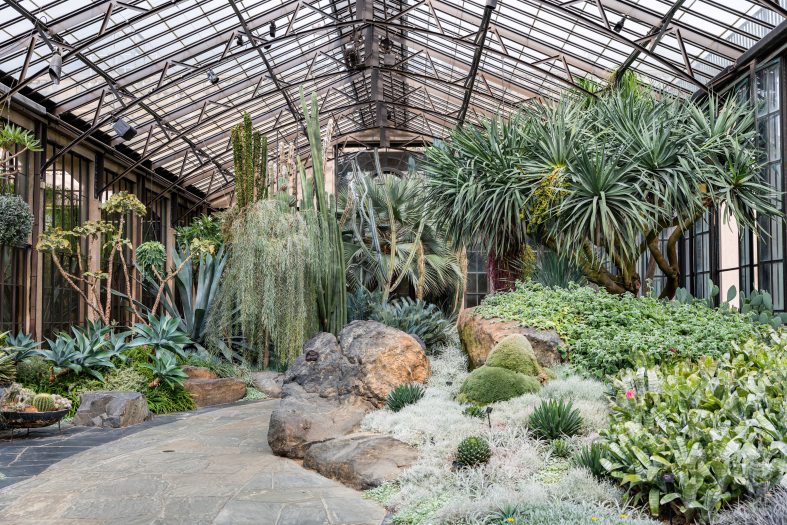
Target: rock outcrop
column 336, row 381
column 208, row 392
column 479, row 336
column 269, row 383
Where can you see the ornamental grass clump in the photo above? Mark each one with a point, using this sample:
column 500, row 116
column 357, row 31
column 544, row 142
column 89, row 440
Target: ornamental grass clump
column 697, row 435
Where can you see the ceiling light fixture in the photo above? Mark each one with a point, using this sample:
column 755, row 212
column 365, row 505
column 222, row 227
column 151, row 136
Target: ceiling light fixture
column 239, row 40
column 55, row 67
column 385, row 45
column 213, row 78
column 124, row 130
column 272, row 33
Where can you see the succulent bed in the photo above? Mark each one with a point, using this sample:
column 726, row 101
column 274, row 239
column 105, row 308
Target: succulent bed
column 492, row 469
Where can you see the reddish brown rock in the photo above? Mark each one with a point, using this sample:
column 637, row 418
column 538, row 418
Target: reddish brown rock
column 199, row 372
column 207, row 392
column 478, row 336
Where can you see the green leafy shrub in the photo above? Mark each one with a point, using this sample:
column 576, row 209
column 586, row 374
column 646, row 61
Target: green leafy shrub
column 164, row 400
column 16, row 220
column 554, row 419
column 417, row 318
column 697, row 435
column 126, row 379
column 489, row 384
column 589, row 457
column 204, row 227
column 473, row 451
column 606, row 332
column 403, row 395
column 560, row 448
column 515, row 353
column 32, row 371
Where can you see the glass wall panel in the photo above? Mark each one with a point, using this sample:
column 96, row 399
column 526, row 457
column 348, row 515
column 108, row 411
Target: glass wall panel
column 64, row 197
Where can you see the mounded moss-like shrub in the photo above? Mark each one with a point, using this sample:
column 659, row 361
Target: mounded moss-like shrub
column 489, row 384
column 515, row 353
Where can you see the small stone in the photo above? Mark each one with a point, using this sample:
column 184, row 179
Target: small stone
column 361, row 461
column 208, row 392
column 109, row 409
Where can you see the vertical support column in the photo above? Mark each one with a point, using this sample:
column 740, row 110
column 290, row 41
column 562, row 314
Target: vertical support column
column 34, row 323
column 372, row 62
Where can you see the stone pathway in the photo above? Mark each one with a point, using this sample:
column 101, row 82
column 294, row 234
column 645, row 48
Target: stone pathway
column 213, row 467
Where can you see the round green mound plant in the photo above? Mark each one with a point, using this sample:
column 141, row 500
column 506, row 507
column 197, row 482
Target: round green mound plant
column 16, row 220
column 473, row 451
column 490, row 384
column 514, row 352
column 403, row 395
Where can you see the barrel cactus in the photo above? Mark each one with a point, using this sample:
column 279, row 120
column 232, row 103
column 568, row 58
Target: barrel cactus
column 44, row 403
column 473, row 451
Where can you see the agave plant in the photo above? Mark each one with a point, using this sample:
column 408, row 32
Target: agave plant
column 93, row 353
column 162, row 333
column 195, row 304
column 7, row 369
column 21, row 346
column 166, row 370
column 62, row 355
column 417, row 318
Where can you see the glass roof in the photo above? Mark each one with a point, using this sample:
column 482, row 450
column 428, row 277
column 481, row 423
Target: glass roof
column 383, row 69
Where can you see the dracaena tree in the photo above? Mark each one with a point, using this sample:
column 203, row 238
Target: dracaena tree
column 603, row 181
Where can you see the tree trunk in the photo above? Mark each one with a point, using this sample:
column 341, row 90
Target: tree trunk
column 503, row 270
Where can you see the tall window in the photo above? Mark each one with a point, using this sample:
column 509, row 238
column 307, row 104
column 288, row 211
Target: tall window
column 153, row 229
column 13, row 258
column 120, row 312
column 770, row 246
column 477, row 281
column 696, row 264
column 64, row 193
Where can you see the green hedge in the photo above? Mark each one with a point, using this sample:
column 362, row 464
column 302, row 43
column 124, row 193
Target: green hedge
column 605, row 332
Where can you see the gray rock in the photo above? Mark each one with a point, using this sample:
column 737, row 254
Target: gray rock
column 361, row 461
column 304, row 418
column 269, row 383
column 109, row 409
column 208, row 392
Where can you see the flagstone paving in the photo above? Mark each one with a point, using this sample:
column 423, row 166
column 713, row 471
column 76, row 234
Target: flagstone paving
column 213, row 467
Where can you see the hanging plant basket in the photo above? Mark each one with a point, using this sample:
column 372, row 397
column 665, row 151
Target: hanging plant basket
column 16, row 220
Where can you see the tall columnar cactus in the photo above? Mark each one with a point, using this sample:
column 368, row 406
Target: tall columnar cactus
column 331, row 277
column 250, row 155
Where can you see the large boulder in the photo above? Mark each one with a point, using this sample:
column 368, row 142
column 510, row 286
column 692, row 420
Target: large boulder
column 110, row 409
column 207, row 392
column 336, row 381
column 479, row 336
column 302, row 419
column 368, row 360
column 199, row 372
column 361, row 461
column 268, row 382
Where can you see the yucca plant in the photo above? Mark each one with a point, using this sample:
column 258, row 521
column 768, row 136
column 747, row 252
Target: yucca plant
column 589, row 457
column 7, row 369
column 162, row 333
column 403, row 395
column 560, row 448
column 554, row 419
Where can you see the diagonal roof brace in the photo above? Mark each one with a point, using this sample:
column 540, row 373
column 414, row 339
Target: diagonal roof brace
column 479, row 50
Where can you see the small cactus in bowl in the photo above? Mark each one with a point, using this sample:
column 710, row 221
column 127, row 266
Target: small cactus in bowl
column 44, row 403
column 473, row 451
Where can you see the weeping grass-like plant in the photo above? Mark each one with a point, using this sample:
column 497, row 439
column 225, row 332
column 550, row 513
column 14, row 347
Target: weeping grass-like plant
column 268, row 293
